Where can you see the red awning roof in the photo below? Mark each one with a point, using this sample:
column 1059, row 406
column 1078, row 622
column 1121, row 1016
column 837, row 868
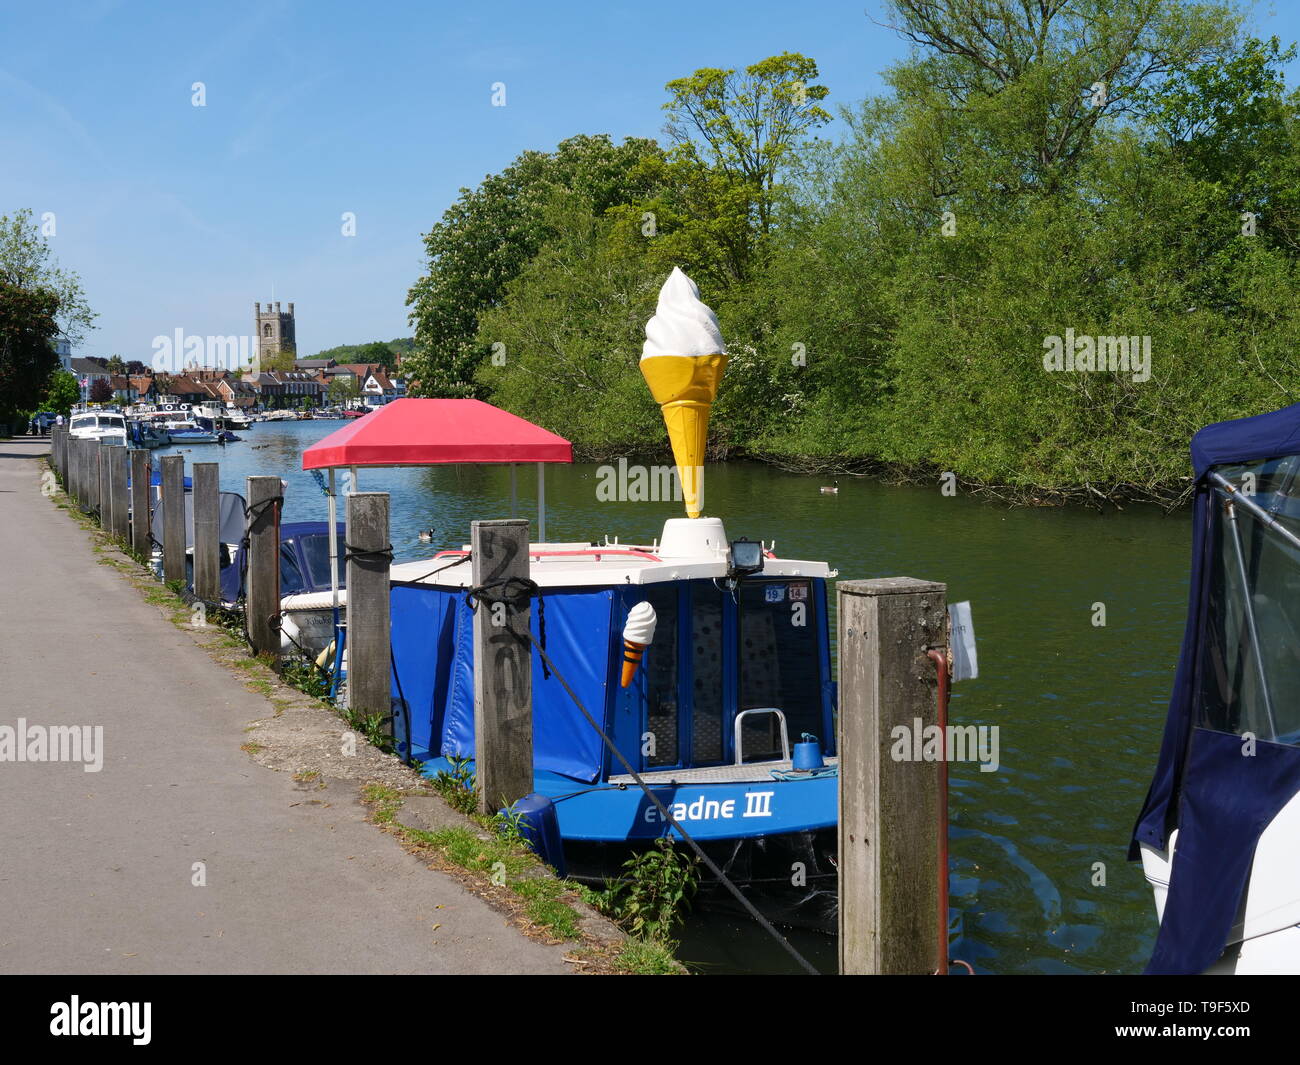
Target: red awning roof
column 429, row 432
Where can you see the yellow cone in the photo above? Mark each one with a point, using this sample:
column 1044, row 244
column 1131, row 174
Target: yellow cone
column 685, row 387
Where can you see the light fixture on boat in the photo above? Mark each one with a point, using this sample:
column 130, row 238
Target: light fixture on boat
column 746, row 558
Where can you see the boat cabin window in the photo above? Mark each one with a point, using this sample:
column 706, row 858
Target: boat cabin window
column 1244, row 682
column 316, row 553
column 779, row 663
column 291, row 579
column 757, row 650
column 659, row 744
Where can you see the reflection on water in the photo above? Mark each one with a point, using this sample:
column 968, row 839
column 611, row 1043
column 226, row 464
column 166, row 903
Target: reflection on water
column 1079, row 707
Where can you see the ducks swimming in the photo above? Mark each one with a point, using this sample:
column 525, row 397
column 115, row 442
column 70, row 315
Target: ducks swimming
column 831, row 489
column 426, row 536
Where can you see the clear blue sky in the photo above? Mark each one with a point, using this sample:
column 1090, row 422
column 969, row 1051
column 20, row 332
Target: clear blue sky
column 180, row 217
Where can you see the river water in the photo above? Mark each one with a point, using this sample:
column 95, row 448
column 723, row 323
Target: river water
column 1079, row 706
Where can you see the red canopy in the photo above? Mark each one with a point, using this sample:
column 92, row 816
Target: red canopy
column 428, row 432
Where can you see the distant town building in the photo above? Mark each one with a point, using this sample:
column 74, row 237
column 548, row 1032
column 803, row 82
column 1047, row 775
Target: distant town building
column 86, row 372
column 65, row 353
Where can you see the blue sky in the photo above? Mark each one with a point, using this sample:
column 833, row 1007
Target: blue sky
column 180, row 217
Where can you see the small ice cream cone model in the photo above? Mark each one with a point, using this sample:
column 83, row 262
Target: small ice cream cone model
column 682, row 362
column 638, row 634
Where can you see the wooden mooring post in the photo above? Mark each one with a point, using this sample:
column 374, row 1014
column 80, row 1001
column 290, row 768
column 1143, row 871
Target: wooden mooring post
column 105, row 493
column 115, row 456
column 369, row 558
column 173, row 504
column 140, row 513
column 207, row 531
column 262, row 603
column 57, row 441
column 889, row 832
column 74, row 470
column 503, row 656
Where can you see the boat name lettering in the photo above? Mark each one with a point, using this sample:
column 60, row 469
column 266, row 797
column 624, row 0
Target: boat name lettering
column 700, row 809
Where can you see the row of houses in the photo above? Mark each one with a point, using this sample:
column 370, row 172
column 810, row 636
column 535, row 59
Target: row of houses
column 312, row 382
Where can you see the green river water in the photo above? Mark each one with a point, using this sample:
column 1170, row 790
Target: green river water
column 1079, row 706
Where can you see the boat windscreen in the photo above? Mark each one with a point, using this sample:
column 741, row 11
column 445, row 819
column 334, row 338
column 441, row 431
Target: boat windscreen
column 1250, row 647
column 316, row 551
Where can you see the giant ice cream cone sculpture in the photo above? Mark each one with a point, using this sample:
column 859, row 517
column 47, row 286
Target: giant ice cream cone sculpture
column 682, row 362
column 638, row 634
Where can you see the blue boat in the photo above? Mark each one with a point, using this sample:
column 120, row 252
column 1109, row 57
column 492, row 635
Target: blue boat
column 738, row 666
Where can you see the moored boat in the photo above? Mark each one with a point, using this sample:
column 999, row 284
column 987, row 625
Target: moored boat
column 1217, row 833
column 737, row 671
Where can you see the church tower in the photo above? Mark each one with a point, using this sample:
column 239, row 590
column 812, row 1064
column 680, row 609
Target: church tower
column 275, row 334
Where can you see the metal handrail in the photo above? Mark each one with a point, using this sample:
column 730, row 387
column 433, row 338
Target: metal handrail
column 785, row 735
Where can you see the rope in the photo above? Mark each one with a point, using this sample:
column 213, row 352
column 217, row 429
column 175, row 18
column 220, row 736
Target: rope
column 448, row 565
column 520, row 593
column 362, row 554
column 406, row 707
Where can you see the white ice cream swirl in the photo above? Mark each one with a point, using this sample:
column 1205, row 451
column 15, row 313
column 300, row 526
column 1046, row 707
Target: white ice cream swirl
column 682, row 325
column 640, row 627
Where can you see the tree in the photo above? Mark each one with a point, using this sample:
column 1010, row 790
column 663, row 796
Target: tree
column 63, row 393
column 487, row 236
column 101, row 391
column 343, row 389
column 377, row 353
column 27, row 356
column 25, row 263
column 116, row 366
column 136, row 368
column 746, row 127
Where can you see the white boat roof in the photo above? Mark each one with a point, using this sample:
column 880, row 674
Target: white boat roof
column 689, row 550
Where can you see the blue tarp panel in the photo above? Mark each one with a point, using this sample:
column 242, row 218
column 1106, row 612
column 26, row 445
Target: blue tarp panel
column 438, row 675
column 1218, row 829
column 423, row 640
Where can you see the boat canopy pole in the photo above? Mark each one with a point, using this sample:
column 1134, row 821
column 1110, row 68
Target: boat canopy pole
column 1269, row 521
column 334, row 547
column 1248, row 605
column 541, row 503
column 514, row 507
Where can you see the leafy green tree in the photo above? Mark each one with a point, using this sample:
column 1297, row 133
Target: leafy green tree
column 569, row 330
column 62, row 394
column 27, row 356
column 26, row 263
column 343, row 389
column 746, row 127
column 116, row 365
column 488, row 235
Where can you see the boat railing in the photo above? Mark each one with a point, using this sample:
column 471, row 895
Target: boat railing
column 780, row 717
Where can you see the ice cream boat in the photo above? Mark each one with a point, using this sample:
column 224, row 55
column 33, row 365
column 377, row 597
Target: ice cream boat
column 738, row 668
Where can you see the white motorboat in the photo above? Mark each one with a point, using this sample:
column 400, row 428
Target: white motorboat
column 108, row 427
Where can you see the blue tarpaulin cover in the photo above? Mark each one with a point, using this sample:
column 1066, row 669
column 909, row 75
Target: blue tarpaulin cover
column 433, row 644
column 1219, row 800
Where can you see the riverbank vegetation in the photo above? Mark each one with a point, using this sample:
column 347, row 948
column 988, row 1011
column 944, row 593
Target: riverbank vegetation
column 1063, row 239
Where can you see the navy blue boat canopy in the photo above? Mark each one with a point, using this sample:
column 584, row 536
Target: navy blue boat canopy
column 1230, row 756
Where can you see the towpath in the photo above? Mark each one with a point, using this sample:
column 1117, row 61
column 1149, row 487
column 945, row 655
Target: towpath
column 97, row 869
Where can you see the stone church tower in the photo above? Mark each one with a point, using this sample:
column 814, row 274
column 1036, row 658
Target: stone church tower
column 275, row 333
